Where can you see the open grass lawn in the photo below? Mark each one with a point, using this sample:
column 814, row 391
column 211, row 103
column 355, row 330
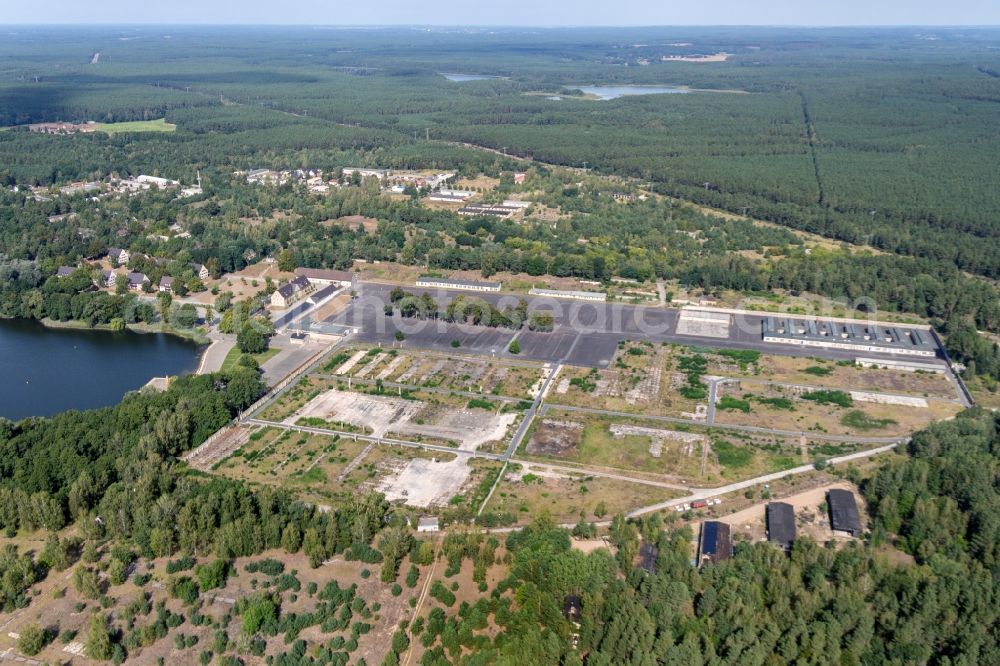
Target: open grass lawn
column 564, row 498
column 743, row 459
column 308, row 466
column 860, row 418
column 159, row 125
column 828, row 374
column 598, row 447
column 232, row 360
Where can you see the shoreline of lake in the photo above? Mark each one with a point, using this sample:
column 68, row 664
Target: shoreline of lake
column 76, row 325
column 55, row 368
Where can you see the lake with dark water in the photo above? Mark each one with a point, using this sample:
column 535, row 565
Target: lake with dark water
column 46, row 371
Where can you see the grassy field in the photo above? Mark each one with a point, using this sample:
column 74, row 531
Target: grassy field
column 845, row 376
column 159, row 125
column 599, row 447
column 306, row 465
column 739, row 458
column 232, row 360
column 564, row 498
column 861, row 418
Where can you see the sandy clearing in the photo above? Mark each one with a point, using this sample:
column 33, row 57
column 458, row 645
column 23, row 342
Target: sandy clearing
column 885, row 399
column 419, row 482
column 424, row 483
column 590, row 545
column 807, row 499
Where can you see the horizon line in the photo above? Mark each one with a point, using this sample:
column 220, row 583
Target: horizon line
column 503, row 26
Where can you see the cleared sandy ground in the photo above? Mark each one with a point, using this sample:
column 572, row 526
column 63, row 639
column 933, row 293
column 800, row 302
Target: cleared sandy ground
column 419, row 482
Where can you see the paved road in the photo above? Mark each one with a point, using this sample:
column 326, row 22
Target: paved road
column 726, row 426
column 589, row 331
column 713, row 389
column 288, row 359
column 515, row 441
column 529, row 416
column 212, row 358
column 586, row 471
column 289, row 381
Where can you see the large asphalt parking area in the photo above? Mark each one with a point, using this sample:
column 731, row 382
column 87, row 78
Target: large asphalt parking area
column 585, row 334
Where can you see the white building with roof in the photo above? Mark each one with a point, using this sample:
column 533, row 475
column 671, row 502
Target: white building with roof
column 450, row 283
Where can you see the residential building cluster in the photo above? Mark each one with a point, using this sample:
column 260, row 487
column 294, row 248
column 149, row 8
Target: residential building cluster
column 316, row 282
column 320, row 182
column 114, row 186
column 63, row 128
column 137, row 281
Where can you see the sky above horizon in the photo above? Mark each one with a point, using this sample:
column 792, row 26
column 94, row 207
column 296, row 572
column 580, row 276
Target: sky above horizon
column 513, row 12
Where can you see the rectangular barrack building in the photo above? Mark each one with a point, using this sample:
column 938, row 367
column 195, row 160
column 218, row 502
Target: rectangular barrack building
column 875, row 338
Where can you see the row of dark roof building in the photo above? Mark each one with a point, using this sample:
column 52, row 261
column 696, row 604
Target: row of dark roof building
column 715, row 542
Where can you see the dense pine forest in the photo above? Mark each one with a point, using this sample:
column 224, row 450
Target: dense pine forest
column 879, row 137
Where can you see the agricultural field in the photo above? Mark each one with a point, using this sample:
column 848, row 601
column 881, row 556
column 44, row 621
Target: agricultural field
column 159, row 125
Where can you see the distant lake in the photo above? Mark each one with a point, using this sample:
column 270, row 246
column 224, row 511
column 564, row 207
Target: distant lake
column 467, row 77
column 47, row 370
column 614, row 92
